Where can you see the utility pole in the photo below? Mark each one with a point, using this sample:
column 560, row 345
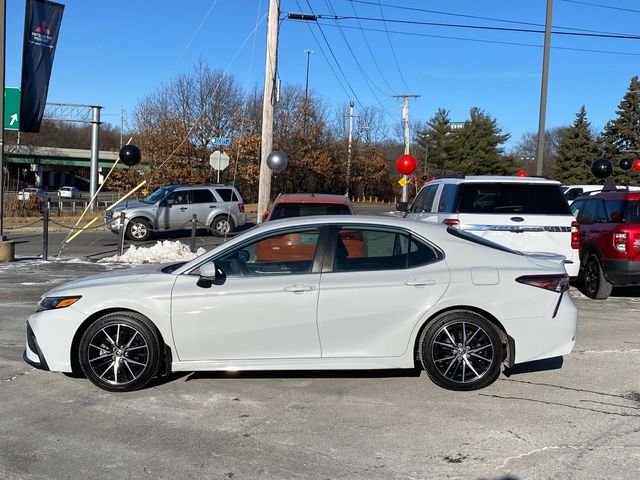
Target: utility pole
column 306, row 85
column 349, row 149
column 268, row 101
column 3, row 34
column 405, row 121
column 543, row 89
column 95, row 147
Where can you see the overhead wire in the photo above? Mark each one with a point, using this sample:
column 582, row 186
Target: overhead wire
column 602, row 6
column 195, row 34
column 393, row 52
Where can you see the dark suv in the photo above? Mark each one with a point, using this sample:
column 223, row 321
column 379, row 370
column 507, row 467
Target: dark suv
column 609, row 241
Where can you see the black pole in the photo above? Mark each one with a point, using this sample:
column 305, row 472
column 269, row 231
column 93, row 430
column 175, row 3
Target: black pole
column 3, row 23
column 121, row 234
column 194, row 222
column 45, row 232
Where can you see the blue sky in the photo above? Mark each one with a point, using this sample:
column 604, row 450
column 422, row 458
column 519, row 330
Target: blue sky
column 113, row 53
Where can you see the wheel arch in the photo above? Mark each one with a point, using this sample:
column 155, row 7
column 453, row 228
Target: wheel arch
column 509, row 351
column 75, row 343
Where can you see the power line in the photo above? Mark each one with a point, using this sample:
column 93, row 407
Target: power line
column 477, row 17
column 602, row 6
column 393, row 53
column 478, row 40
column 480, row 27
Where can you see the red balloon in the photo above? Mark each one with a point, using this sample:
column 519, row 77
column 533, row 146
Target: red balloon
column 406, row 164
column 636, row 165
column 521, row 173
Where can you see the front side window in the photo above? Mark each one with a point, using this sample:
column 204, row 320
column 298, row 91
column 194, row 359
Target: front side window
column 177, row 198
column 363, row 249
column 290, row 253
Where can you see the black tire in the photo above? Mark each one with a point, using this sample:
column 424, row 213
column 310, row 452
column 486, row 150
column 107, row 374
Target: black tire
column 139, row 230
column 120, row 352
column 456, row 364
column 222, row 225
column 594, row 282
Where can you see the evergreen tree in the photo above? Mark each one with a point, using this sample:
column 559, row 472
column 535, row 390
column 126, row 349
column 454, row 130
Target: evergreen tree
column 476, row 147
column 621, row 136
column 576, row 153
column 435, row 139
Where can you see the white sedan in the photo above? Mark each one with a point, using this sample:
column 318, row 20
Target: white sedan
column 314, row 293
column 69, row 192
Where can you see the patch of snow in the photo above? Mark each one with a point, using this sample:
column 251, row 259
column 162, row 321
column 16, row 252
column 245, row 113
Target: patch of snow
column 161, row 252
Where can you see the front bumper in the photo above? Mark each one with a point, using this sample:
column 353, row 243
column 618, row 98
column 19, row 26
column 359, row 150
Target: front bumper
column 32, row 353
column 621, row 272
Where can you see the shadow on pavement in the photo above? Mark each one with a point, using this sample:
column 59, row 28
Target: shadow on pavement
column 287, row 374
column 554, row 363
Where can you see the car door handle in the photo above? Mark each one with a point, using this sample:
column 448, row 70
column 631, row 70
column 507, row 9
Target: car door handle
column 299, row 288
column 183, row 209
column 420, row 282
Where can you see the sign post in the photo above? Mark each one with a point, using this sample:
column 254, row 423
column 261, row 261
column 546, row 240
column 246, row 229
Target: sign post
column 11, row 108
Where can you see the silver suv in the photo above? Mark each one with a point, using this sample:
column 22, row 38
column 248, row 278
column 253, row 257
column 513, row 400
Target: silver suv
column 217, row 206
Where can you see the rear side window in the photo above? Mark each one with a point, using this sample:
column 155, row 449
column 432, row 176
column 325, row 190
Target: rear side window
column 288, row 210
column 512, row 198
column 614, row 210
column 447, row 198
column 227, row 195
column 424, row 201
column 202, row 196
column 633, row 212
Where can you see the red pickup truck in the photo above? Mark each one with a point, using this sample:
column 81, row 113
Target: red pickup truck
column 609, row 241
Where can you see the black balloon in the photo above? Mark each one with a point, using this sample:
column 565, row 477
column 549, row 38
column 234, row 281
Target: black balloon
column 130, row 155
column 601, row 168
column 625, row 163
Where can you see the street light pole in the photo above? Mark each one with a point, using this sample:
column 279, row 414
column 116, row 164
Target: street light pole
column 306, row 85
column 349, row 148
column 543, row 89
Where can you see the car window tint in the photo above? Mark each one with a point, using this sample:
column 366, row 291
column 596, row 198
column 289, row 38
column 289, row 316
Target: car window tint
column 364, row 249
column 177, row 198
column 576, row 208
column 424, row 201
column 587, row 213
column 573, row 193
column 512, row 198
column 600, row 212
column 447, row 198
column 225, row 194
column 632, row 214
column 614, row 210
column 288, row 210
column 202, row 196
column 291, row 253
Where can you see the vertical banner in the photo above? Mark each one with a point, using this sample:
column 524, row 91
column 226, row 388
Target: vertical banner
column 41, row 29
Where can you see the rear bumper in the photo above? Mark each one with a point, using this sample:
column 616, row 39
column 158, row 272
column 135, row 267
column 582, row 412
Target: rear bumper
column 621, row 272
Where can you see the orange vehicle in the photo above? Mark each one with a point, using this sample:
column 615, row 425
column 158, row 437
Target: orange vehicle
column 304, row 245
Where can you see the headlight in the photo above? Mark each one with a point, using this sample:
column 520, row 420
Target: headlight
column 50, row 303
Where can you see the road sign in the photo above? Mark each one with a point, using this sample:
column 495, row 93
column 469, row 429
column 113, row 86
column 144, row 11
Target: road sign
column 219, row 160
column 221, row 141
column 11, row 108
column 402, row 182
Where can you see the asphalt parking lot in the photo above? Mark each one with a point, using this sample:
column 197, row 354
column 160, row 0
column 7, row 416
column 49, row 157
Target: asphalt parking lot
column 578, row 418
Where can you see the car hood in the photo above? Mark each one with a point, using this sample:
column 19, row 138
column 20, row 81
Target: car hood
column 123, row 277
column 130, row 204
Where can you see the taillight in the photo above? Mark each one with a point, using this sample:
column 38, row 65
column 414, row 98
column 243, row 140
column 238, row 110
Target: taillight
column 575, row 235
column 555, row 283
column 452, row 222
column 620, row 241
column 241, row 207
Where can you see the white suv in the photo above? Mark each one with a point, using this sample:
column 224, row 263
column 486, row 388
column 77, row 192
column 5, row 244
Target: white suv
column 527, row 214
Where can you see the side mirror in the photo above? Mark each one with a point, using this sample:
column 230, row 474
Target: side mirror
column 208, row 271
column 402, row 207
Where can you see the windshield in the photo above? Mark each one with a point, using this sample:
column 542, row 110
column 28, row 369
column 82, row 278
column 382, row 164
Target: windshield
column 157, row 195
column 288, row 210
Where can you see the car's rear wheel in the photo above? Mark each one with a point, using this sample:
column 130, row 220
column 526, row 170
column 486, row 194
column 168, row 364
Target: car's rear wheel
column 461, row 350
column 222, row 225
column 120, row 352
column 596, row 285
column 139, row 230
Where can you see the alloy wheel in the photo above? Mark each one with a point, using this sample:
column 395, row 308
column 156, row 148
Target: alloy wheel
column 138, row 230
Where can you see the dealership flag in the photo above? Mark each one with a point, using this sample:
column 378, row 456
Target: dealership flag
column 41, row 29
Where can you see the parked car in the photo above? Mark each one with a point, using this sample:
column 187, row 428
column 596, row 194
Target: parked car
column 453, row 302
column 571, row 192
column 609, row 241
column 69, row 192
column 33, row 193
column 305, row 204
column 523, row 213
column 217, row 206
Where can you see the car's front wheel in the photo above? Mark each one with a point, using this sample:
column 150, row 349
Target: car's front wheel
column 461, row 350
column 120, row 352
column 595, row 284
column 139, row 230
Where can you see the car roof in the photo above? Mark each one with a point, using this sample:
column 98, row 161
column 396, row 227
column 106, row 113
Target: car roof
column 614, row 195
column 196, row 185
column 321, row 198
column 496, row 179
